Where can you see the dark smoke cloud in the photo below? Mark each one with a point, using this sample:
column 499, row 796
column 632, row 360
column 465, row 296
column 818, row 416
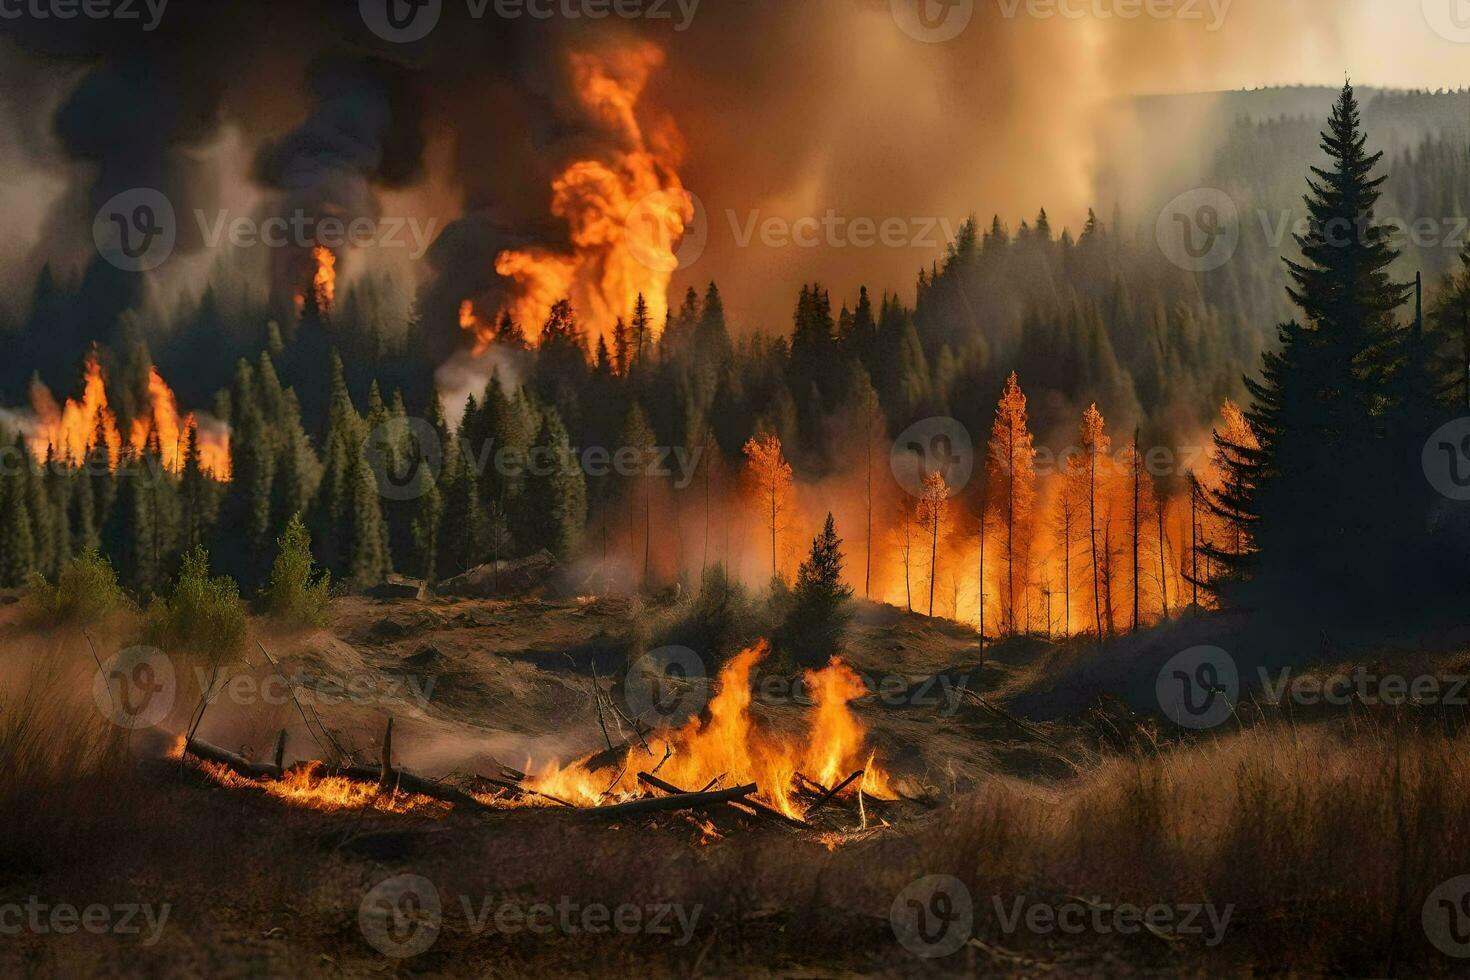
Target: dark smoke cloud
column 788, row 109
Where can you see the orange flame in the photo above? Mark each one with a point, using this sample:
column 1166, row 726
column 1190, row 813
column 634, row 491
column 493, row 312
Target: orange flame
column 625, row 211
column 325, row 279
column 730, row 745
column 67, row 431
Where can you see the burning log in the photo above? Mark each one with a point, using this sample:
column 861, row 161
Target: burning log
column 680, row 801
column 201, row 749
column 648, row 779
column 833, row 792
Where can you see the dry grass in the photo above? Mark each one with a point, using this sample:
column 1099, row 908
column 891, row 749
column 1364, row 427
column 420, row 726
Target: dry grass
column 69, row 789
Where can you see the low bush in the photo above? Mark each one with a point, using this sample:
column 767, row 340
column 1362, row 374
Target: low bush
column 85, row 592
column 203, row 616
column 297, row 595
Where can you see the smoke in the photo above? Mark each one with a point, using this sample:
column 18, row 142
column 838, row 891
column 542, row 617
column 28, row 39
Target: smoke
column 787, row 112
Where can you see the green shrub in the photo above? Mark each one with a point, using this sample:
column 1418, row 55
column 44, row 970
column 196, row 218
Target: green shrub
column 296, row 594
column 203, row 615
column 85, row 592
column 716, row 622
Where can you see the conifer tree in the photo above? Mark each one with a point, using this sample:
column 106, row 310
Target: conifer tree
column 556, row 491
column 820, row 603
column 1320, row 398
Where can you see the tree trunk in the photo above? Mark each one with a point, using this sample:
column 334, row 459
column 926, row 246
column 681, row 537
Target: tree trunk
column 868, row 431
column 1092, row 535
column 1135, row 529
column 933, row 558
column 1163, row 574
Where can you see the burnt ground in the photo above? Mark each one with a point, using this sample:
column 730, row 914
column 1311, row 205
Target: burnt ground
column 254, row 887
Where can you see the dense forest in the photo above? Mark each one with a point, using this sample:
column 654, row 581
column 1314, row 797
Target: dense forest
column 1030, row 337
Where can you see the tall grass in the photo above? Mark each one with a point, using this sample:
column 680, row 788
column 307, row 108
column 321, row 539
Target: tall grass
column 66, row 786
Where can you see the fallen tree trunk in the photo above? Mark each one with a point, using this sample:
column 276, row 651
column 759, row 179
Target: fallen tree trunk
column 648, row 779
column 410, row 783
column 201, row 749
column 679, row 801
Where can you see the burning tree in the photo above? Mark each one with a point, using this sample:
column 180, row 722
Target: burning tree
column 770, row 480
column 1013, row 491
column 933, row 508
column 1085, row 474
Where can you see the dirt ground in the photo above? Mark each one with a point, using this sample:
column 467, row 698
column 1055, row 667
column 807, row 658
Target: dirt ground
column 232, row 882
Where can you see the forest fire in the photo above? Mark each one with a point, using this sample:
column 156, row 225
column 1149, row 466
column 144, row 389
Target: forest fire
column 68, row 431
column 625, row 210
column 729, row 746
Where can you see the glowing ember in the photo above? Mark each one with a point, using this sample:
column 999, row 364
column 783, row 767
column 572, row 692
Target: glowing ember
column 308, row 788
column 730, row 746
column 626, row 211
column 68, row 431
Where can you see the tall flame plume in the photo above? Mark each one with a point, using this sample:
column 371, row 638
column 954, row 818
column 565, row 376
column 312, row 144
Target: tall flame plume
column 625, row 209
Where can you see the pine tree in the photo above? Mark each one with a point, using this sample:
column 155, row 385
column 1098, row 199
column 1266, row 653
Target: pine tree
column 1320, row 399
column 820, row 603
column 17, row 535
column 556, row 491
column 428, row 508
column 637, row 436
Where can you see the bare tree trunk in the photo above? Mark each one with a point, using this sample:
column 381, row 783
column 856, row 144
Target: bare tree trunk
column 1163, row 575
column 982, row 572
column 1135, row 528
column 1092, row 534
column 868, row 432
column 704, row 557
column 1193, row 541
column 647, row 530
column 774, row 491
column 1067, row 570
column 933, row 558
column 1011, row 528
